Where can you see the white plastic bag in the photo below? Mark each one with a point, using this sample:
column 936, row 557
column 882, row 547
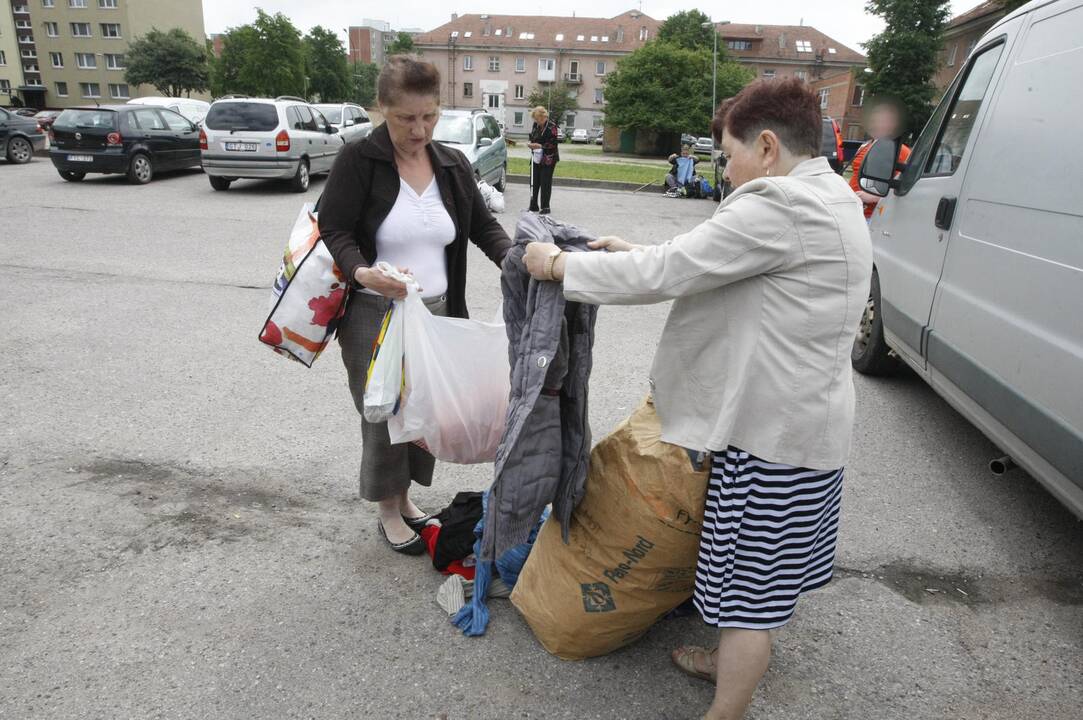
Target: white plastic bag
column 457, row 371
column 536, row 155
column 494, row 199
column 383, row 385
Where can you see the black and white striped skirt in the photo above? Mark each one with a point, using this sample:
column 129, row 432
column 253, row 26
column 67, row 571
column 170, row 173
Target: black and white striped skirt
column 768, row 536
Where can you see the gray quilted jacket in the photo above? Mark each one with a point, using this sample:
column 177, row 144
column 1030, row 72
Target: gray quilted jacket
column 543, row 455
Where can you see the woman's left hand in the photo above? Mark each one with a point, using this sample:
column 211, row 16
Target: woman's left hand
column 537, row 261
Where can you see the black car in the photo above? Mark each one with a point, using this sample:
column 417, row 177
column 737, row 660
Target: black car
column 137, row 140
column 20, row 137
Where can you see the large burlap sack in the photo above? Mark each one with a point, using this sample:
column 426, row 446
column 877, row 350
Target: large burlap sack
column 633, row 544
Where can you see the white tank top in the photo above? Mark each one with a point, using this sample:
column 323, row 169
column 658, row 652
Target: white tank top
column 414, row 235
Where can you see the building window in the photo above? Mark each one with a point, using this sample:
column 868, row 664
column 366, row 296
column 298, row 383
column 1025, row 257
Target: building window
column 599, row 96
column 118, row 91
column 3, row 58
column 580, row 38
column 769, row 74
column 739, row 44
column 859, row 96
column 599, row 121
column 29, row 53
column 569, row 120
column 824, row 94
column 24, row 25
column 804, row 46
column 599, row 68
column 107, row 4
column 520, row 64
column 114, row 62
column 62, row 89
column 517, row 116
column 468, row 62
column 952, row 55
column 80, row 29
column 560, row 37
column 643, row 34
column 801, row 75
column 77, row 3
column 520, row 92
column 468, row 90
column 57, row 59
column 86, row 61
column 110, row 30
column 90, row 90
column 52, row 29
column 620, row 35
column 5, row 87
column 494, row 63
column 48, row 3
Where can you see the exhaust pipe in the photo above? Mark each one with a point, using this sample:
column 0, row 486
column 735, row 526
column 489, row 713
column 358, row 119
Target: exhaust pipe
column 1001, row 465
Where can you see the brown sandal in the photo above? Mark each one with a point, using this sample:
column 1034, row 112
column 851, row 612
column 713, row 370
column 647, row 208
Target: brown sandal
column 685, row 659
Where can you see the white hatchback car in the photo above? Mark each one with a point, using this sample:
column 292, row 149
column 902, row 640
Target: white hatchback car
column 351, row 120
column 194, row 110
column 280, row 139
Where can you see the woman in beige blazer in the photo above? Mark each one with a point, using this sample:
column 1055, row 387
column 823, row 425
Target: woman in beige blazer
column 753, row 365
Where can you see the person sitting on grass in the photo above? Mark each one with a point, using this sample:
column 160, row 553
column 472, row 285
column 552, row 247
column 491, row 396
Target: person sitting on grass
column 682, row 170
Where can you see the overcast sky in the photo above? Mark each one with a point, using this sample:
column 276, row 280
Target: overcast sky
column 844, row 20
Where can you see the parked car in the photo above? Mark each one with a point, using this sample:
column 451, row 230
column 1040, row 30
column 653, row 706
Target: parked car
column 477, row 135
column 579, row 135
column 136, row 140
column 20, row 137
column 280, row 139
column 688, row 139
column 45, row 118
column 703, row 146
column 25, row 111
column 977, row 278
column 831, row 147
column 351, row 120
column 597, row 136
column 194, row 110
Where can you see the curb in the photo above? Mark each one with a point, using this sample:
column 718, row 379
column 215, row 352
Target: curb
column 591, row 184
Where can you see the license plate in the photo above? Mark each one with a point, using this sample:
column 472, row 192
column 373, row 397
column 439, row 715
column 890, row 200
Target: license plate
column 242, row 147
column 80, row 158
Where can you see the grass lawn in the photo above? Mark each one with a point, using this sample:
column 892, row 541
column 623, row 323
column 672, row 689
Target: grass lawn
column 639, row 174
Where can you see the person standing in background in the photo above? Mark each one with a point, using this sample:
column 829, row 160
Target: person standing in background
column 543, row 137
column 883, row 121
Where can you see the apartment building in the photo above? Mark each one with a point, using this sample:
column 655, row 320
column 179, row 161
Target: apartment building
column 496, row 61
column 10, row 69
column 960, row 37
column 369, row 41
column 71, row 52
column 782, row 51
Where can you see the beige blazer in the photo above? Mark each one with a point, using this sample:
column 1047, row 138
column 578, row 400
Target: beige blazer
column 769, row 291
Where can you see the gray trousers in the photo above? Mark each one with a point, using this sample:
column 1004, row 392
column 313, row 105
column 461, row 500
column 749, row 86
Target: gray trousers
column 386, row 469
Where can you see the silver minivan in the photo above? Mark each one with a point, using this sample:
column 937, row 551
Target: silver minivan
column 284, row 139
column 978, row 282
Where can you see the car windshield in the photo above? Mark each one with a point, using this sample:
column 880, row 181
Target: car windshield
column 242, row 116
column 86, row 119
column 333, row 113
column 454, row 129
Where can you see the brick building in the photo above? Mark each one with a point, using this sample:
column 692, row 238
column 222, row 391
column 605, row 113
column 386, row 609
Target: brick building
column 369, row 41
column 960, row 37
column 842, row 97
column 781, row 51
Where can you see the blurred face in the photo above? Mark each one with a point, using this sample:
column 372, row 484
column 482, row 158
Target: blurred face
column 744, row 162
column 410, row 121
column 684, row 152
column 883, row 122
column 541, row 117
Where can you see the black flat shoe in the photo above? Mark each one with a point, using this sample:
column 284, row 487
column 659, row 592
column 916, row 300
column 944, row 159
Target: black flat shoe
column 544, row 211
column 419, row 523
column 413, row 546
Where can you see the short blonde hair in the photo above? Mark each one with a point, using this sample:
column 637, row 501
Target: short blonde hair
column 538, row 111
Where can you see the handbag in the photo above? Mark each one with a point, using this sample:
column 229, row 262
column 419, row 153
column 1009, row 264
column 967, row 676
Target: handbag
column 308, row 298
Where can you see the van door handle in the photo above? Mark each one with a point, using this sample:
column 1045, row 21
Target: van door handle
column 945, row 212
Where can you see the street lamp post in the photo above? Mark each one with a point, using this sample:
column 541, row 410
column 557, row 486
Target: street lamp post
column 714, row 63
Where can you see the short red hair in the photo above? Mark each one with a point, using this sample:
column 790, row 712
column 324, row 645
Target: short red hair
column 786, row 107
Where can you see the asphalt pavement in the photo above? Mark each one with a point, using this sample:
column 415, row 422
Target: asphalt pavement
column 181, row 537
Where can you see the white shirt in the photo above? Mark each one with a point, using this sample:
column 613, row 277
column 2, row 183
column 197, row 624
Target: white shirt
column 414, row 235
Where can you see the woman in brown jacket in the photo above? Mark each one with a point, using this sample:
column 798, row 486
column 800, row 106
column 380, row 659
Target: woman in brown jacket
column 400, row 198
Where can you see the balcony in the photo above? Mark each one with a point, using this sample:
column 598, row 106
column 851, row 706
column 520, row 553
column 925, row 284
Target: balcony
column 573, row 78
column 21, row 9
column 26, row 40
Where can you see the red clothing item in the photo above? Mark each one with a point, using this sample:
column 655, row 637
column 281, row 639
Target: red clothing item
column 859, row 158
column 430, row 534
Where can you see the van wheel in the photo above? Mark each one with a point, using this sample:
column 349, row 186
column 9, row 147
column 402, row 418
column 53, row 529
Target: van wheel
column 140, row 169
column 871, row 354
column 20, row 150
column 71, row 176
column 219, row 183
column 503, row 181
column 301, row 179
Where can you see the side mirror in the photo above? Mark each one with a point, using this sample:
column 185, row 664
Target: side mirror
column 880, row 167
column 332, row 130
column 485, row 142
column 348, row 123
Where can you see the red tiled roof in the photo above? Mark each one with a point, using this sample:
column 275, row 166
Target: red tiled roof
column 542, row 31
column 779, row 42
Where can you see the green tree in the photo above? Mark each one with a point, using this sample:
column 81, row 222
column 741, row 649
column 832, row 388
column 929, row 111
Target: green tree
column 363, row 85
column 558, row 98
column 663, row 86
column 904, row 58
column 403, row 44
column 171, row 61
column 265, row 58
column 326, row 66
column 686, row 30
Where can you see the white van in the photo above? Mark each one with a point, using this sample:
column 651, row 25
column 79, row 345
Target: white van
column 978, row 281
column 194, row 110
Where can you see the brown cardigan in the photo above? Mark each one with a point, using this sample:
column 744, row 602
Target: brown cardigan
column 363, row 187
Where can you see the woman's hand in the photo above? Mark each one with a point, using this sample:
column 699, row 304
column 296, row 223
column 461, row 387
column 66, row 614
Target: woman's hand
column 534, row 146
column 537, row 261
column 379, row 283
column 611, row 243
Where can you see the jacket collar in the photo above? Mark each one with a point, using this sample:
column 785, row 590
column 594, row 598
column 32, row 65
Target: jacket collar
column 814, row 166
column 378, row 146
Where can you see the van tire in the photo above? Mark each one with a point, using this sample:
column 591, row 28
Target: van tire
column 870, row 354
column 302, row 178
column 71, row 175
column 140, row 169
column 219, row 183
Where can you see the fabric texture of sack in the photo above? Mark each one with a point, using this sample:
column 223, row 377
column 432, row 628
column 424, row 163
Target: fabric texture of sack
column 632, row 550
column 309, row 295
